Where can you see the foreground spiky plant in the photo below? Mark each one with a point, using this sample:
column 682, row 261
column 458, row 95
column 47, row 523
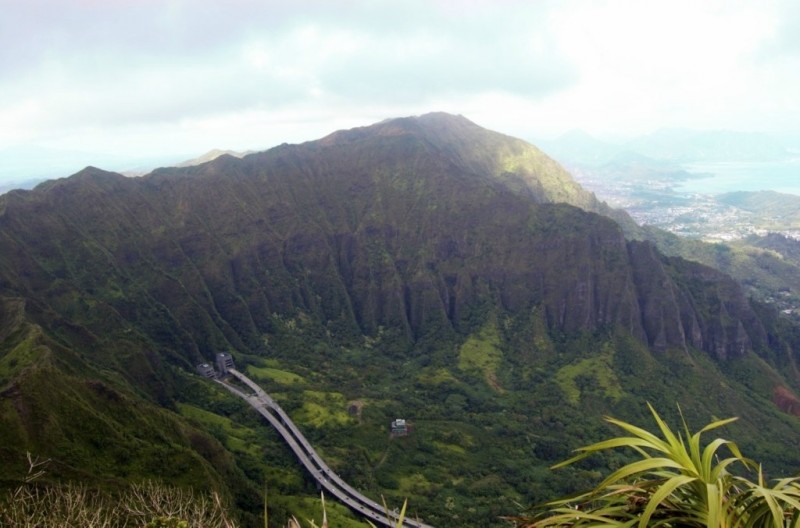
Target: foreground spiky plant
column 676, row 483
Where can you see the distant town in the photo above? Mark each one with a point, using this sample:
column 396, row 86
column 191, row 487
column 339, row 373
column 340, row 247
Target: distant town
column 652, row 198
column 654, row 201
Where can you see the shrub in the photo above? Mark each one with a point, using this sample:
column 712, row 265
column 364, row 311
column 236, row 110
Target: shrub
column 675, row 483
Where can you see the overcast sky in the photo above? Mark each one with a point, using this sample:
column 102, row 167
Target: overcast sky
column 134, row 80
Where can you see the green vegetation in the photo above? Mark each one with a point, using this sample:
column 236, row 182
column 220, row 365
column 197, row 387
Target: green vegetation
column 473, row 453
column 676, row 482
column 768, row 267
column 273, row 374
column 323, row 409
column 236, row 438
column 478, row 453
column 25, row 350
column 598, row 370
column 480, row 354
column 416, row 270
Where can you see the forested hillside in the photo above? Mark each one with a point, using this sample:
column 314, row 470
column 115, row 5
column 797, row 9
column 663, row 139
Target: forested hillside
column 422, row 268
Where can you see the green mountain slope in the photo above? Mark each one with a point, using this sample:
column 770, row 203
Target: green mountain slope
column 421, row 267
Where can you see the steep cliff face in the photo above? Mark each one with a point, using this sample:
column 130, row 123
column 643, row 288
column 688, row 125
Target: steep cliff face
column 685, row 302
column 421, row 263
column 413, row 224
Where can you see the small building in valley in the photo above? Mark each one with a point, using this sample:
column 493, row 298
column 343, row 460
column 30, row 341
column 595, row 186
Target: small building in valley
column 399, row 427
column 206, row 370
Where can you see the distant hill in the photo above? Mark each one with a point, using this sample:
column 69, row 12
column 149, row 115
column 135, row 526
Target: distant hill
column 24, row 185
column 578, row 146
column 25, row 163
column 673, row 145
column 779, row 205
column 212, row 155
column 423, row 268
column 683, row 145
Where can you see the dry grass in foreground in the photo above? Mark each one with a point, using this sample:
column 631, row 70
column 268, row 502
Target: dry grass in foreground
column 146, row 505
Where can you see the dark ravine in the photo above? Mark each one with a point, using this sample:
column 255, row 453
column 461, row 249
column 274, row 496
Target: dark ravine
column 427, row 227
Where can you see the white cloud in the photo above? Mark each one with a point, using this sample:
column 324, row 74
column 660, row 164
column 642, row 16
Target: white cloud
column 183, row 74
column 646, row 64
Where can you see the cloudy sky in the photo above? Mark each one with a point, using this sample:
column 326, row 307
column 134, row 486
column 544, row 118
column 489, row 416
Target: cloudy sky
column 120, row 83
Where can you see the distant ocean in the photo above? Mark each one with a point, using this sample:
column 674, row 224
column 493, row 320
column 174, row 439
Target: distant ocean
column 780, row 176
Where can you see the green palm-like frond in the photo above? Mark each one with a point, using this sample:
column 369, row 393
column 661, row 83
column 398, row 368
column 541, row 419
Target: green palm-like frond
column 677, row 482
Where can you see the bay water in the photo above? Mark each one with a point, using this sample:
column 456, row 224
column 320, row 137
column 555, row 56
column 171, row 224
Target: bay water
column 722, row 177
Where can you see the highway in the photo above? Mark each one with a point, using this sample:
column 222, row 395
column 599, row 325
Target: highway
column 308, row 457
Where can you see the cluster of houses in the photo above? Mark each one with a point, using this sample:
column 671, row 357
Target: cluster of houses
column 224, row 362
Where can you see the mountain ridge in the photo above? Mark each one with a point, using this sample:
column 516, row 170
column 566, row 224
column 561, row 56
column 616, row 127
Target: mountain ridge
column 421, row 259
column 505, row 176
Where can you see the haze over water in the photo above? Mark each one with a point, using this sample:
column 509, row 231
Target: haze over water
column 723, row 177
